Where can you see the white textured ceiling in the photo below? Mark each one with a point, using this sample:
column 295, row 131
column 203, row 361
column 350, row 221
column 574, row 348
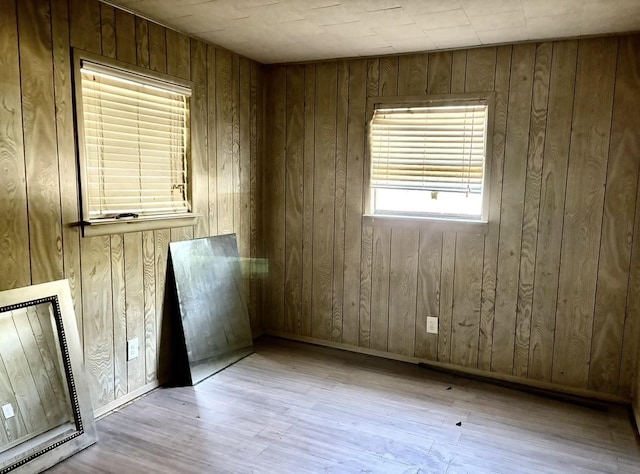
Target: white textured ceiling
column 274, row 31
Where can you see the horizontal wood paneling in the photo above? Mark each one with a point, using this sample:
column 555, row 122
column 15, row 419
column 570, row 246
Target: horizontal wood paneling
column 543, row 293
column 117, row 281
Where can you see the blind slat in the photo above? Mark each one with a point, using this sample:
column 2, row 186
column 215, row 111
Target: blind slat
column 135, row 141
column 429, row 148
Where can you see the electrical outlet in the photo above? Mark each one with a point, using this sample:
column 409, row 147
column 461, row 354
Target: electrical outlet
column 432, row 325
column 132, row 348
column 7, row 411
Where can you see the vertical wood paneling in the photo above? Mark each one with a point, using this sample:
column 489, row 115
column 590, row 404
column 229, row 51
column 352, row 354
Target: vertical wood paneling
column 235, row 146
column 274, row 199
column 353, row 200
column 108, row 30
column 15, row 268
column 119, row 311
column 294, row 199
column 255, row 144
column 617, row 225
column 199, row 165
column 439, row 73
column 39, row 132
column 467, row 286
column 134, row 287
column 428, row 292
column 446, row 296
column 307, row 219
column 537, row 129
column 403, row 280
column 84, row 16
column 117, row 281
column 629, row 81
column 98, row 322
column 66, row 153
column 388, row 79
column 125, row 37
column 515, row 166
column 489, row 268
column 412, row 74
column 342, row 110
column 324, row 198
column 224, row 140
column 583, row 210
column 380, row 256
column 550, row 219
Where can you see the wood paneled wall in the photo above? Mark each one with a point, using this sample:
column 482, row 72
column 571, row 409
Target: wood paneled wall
column 117, row 281
column 549, row 293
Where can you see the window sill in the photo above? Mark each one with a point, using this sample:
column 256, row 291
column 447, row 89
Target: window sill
column 120, row 226
column 427, row 223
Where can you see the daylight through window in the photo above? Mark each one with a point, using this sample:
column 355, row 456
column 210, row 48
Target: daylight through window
column 429, row 160
column 135, row 139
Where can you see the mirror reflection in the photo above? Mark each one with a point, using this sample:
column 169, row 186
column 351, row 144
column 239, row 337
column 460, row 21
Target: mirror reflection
column 35, row 406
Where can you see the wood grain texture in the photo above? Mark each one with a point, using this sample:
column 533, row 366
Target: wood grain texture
column 98, row 319
column 274, row 201
column 84, row 17
column 14, row 428
column 199, row 164
column 380, row 273
column 235, row 147
column 65, row 132
column 15, row 267
column 342, row 111
column 324, row 198
column 244, row 163
column 583, row 210
column 119, row 311
column 39, row 127
column 428, row 292
column 629, row 381
column 161, row 240
column 490, row 264
column 212, row 142
column 142, row 42
column 550, row 218
column 134, row 285
column 108, row 30
column 149, row 306
column 294, row 198
column 458, row 71
column 388, row 79
column 403, row 281
column 307, row 197
column 412, row 74
column 224, row 140
column 515, row 166
column 354, row 200
column 480, row 70
column 439, row 73
column 467, row 288
column 446, row 296
column 617, row 226
column 529, row 243
column 157, row 48
column 366, row 284
column 125, row 36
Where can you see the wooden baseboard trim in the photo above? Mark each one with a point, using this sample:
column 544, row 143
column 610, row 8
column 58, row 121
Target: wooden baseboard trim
column 122, row 401
column 455, row 369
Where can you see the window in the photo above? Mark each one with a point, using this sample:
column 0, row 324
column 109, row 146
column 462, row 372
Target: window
column 428, row 157
column 133, row 143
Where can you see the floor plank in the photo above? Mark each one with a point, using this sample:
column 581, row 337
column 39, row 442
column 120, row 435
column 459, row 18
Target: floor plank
column 293, row 407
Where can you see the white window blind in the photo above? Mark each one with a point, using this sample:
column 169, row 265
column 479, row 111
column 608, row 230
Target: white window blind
column 135, row 135
column 435, row 148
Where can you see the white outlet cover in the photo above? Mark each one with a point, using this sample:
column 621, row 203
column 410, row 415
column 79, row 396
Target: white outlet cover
column 132, row 348
column 432, row 325
column 7, row 411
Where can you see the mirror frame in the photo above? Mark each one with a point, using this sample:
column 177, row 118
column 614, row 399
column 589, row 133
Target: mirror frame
column 51, row 452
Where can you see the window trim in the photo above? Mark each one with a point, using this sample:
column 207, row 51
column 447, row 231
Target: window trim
column 106, row 226
column 374, row 103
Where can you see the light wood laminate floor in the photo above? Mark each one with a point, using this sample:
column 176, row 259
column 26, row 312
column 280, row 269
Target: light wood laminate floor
column 293, row 408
